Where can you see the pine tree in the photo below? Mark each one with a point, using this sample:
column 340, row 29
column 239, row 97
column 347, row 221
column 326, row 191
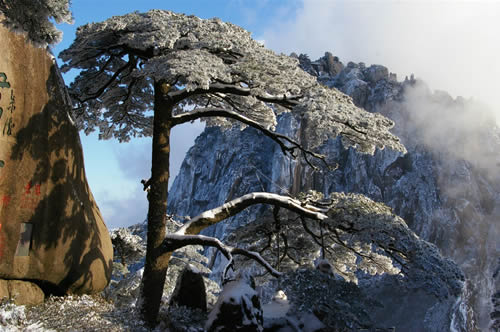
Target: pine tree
column 141, row 74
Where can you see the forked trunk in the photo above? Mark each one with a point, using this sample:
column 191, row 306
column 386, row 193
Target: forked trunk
column 155, row 268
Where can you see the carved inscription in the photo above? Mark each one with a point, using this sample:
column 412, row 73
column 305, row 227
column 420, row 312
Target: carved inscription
column 7, row 109
column 5, row 200
column 3, row 81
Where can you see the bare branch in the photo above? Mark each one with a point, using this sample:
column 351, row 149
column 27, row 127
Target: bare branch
column 314, row 237
column 237, row 205
column 175, row 241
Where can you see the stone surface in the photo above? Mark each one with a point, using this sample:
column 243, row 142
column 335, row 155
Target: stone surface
column 447, row 187
column 495, row 300
column 4, row 289
column 51, row 229
column 376, row 73
column 25, row 292
column 21, row 292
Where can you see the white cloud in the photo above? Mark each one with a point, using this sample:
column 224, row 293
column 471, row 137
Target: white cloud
column 129, row 208
column 451, row 45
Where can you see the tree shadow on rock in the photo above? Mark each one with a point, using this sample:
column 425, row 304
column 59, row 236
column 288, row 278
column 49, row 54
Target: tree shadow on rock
column 70, row 245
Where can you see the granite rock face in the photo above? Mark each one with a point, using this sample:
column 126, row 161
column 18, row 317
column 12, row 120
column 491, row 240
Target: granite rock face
column 445, row 194
column 51, row 230
column 447, row 187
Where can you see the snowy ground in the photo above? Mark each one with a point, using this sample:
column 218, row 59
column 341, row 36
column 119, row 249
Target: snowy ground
column 90, row 313
column 70, row 313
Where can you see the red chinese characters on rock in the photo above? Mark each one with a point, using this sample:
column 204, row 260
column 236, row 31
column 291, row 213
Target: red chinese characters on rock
column 30, row 197
column 5, row 200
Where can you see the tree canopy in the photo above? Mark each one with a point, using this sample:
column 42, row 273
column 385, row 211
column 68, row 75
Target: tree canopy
column 35, row 18
column 212, row 67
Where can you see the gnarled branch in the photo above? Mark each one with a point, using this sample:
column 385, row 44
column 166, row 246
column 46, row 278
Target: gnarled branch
column 233, row 207
column 278, row 138
column 176, row 241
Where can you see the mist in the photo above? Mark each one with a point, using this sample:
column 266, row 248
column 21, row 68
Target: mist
column 451, row 45
column 455, row 129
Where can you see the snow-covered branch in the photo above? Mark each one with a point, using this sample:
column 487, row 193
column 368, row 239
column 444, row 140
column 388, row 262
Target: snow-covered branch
column 230, row 88
column 237, row 205
column 176, row 241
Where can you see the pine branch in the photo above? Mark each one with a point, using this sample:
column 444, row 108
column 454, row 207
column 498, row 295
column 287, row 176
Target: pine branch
column 233, row 207
column 233, row 88
column 176, row 241
column 278, row 138
column 106, row 85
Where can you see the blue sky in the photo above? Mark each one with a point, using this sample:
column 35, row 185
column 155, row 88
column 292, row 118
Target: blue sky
column 452, row 45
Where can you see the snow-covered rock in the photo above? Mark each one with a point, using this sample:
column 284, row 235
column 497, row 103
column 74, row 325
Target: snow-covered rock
column 238, row 307
column 129, row 245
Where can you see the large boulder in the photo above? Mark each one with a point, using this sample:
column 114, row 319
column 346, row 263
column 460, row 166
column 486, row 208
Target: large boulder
column 51, row 230
column 190, row 290
column 21, row 292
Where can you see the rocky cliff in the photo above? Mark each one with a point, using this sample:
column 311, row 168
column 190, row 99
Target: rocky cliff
column 446, row 187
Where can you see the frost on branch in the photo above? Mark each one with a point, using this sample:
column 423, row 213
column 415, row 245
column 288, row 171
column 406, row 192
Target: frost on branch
column 33, row 17
column 206, row 65
column 359, row 236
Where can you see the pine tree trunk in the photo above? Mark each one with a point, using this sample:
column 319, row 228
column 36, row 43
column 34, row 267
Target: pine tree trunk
column 155, row 268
